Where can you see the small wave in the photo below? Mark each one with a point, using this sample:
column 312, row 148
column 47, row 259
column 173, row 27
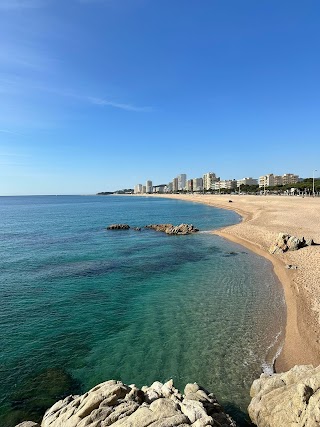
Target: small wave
column 268, row 367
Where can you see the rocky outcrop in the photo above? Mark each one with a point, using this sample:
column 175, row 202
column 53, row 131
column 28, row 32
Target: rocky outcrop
column 288, row 399
column 173, row 229
column 118, row 227
column 285, row 243
column 28, row 424
column 117, row 404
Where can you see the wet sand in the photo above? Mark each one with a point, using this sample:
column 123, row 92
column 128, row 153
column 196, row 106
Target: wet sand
column 264, row 217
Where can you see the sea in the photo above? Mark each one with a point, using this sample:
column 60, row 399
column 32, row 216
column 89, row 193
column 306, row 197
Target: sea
column 80, row 304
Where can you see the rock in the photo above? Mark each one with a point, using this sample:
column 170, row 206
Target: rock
column 287, row 399
column 291, row 267
column 173, row 229
column 28, row 424
column 117, row 404
column 285, row 242
column 118, row 227
column 137, row 228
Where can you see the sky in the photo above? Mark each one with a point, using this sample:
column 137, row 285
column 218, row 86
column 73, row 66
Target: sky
column 99, row 95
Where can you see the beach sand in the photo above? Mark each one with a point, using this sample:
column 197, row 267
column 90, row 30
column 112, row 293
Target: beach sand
column 264, row 217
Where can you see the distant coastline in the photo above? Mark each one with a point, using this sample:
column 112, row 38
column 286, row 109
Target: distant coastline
column 263, row 218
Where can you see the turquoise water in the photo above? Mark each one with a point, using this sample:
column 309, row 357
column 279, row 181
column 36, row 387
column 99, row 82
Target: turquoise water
column 80, row 304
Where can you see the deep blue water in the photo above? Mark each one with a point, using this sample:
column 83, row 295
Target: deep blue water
column 80, row 304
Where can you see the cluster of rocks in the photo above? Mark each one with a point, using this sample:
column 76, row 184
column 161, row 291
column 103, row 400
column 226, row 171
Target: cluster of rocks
column 287, row 399
column 118, row 227
column 173, row 229
column 166, row 228
column 117, row 404
column 285, row 243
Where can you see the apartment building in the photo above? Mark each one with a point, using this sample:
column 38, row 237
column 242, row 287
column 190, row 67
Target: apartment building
column 149, row 187
column 197, row 184
column 182, row 181
column 138, row 189
column 247, row 181
column 208, row 180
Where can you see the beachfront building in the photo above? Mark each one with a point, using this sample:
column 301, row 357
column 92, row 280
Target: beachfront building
column 266, row 180
column 149, row 187
column 227, row 184
column 169, row 187
column 197, row 184
column 247, row 181
column 160, row 189
column 190, row 185
column 182, row 182
column 144, row 189
column 208, row 180
column 290, row 178
column 175, row 184
column 138, row 189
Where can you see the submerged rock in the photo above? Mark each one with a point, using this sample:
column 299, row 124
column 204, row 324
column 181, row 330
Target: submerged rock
column 287, row 399
column 117, row 404
column 118, row 227
column 173, row 229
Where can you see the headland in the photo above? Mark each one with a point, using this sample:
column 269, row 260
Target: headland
column 263, row 218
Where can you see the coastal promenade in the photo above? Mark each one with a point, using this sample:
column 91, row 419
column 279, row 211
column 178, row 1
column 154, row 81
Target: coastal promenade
column 264, row 217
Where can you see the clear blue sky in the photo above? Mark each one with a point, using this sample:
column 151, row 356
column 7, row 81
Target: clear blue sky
column 98, row 95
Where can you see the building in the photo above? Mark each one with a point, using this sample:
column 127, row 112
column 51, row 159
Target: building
column 138, row 189
column 290, row 178
column 149, row 187
column 190, row 185
column 182, row 182
column 247, row 181
column 227, row 184
column 144, row 189
column 266, row 180
column 197, row 184
column 271, row 180
column 175, row 184
column 170, row 187
column 160, row 188
column 208, row 180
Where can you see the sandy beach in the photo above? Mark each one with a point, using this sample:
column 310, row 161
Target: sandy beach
column 264, row 217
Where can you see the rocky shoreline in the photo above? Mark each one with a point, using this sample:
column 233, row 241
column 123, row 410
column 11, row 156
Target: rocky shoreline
column 170, row 229
column 117, row 404
column 290, row 399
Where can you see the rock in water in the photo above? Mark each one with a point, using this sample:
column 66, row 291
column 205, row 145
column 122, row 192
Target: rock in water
column 287, row 399
column 118, row 227
column 117, row 404
column 174, row 229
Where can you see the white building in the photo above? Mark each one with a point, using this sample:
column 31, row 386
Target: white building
column 175, row 184
column 208, row 180
column 247, row 181
column 190, row 185
column 144, row 189
column 138, row 189
column 266, row 180
column 182, row 181
column 149, row 187
column 197, row 184
column 227, row 184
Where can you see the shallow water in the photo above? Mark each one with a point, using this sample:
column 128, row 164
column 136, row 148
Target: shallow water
column 80, row 305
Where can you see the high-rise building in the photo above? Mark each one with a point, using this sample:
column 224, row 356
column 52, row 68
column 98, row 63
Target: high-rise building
column 144, row 189
column 149, row 187
column 175, row 184
column 190, row 185
column 138, row 189
column 197, row 184
column 170, row 187
column 182, row 181
column 208, row 180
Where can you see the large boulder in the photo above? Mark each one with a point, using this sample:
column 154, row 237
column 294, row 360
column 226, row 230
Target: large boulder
column 285, row 242
column 117, row 404
column 287, row 399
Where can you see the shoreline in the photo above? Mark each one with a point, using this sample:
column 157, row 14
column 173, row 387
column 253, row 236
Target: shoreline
column 263, row 217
